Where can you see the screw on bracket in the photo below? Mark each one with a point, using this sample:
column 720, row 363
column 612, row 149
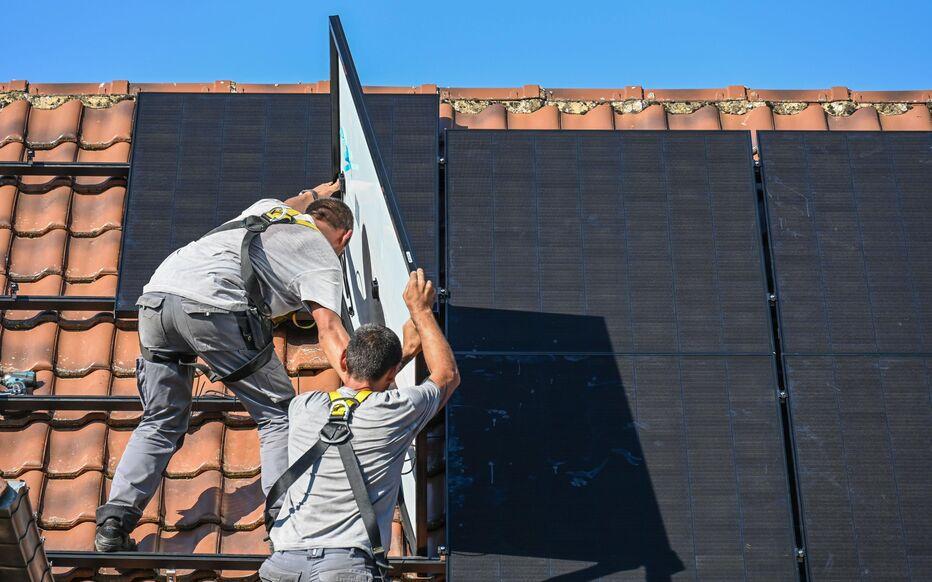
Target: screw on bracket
column 443, row 295
column 800, row 554
column 30, row 156
column 442, row 551
column 772, row 297
column 441, row 160
column 783, row 395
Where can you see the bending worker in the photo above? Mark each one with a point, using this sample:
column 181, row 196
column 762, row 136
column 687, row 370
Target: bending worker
column 348, row 447
column 215, row 299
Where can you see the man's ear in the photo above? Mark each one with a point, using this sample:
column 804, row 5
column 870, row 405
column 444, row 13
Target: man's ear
column 344, row 240
column 343, row 367
column 390, row 375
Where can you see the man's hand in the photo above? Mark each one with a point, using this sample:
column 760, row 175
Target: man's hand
column 302, row 199
column 326, row 189
column 419, row 295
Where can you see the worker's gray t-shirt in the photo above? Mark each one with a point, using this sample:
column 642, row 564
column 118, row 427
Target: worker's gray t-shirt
column 319, row 510
column 294, row 264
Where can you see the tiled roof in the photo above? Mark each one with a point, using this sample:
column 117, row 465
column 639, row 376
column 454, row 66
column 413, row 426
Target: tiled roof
column 62, row 236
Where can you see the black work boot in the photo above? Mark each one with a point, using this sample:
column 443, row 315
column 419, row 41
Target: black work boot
column 111, row 537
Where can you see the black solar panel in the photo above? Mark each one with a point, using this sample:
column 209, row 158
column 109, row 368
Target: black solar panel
column 200, row 159
column 617, row 468
column 618, row 417
column 850, row 216
column 656, row 232
column 863, row 440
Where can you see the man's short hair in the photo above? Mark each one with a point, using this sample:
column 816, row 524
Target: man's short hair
column 332, row 211
column 372, row 351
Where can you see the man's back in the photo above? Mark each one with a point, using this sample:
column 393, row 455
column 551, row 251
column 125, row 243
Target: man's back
column 319, row 510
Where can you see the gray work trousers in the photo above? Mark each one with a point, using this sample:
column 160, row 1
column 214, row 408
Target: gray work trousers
column 318, row 565
column 225, row 341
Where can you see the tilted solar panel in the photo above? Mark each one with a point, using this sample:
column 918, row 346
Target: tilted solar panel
column 200, row 159
column 618, row 417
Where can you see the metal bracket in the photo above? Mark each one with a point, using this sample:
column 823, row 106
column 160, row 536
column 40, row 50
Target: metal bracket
column 800, row 555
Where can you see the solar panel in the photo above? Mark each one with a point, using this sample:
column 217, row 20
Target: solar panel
column 656, row 232
column 617, row 467
column 849, row 216
column 618, row 417
column 200, row 159
column 863, row 442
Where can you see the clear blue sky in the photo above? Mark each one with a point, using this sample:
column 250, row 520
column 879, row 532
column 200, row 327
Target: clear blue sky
column 670, row 44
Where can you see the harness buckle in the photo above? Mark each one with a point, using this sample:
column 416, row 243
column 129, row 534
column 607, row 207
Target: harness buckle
column 256, row 223
column 341, row 409
column 335, row 433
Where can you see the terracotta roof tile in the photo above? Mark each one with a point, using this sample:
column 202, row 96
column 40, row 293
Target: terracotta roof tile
column 547, row 117
column 23, row 449
column 759, row 118
column 242, row 504
column 147, row 536
column 97, row 383
column 322, row 381
column 81, row 351
column 12, row 152
column 34, row 257
column 706, row 117
column 241, row 453
column 80, row 537
column 89, row 258
column 190, row 502
column 35, row 481
column 492, row 117
column 67, row 502
column 244, row 542
column 48, row 285
column 117, row 153
column 303, row 352
column 446, row 116
column 116, row 444
column 28, row 349
column 599, row 117
column 204, row 539
column 37, row 214
column 864, row 119
column 72, row 452
column 6, row 240
column 47, row 128
column 917, row 118
column 103, row 287
column 200, row 452
column 92, row 214
column 652, row 117
column 13, row 122
column 7, row 200
column 810, row 118
column 125, row 351
column 65, row 152
column 103, row 127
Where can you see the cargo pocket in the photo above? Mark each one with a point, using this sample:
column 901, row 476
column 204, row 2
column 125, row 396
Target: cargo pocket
column 270, row 573
column 151, row 329
column 211, row 329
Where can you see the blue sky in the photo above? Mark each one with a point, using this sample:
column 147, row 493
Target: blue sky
column 671, row 44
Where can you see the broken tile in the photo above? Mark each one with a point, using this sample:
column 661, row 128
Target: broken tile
column 36, row 214
column 33, row 258
column 243, row 503
column 190, row 502
column 23, row 449
column 200, row 452
column 599, row 117
column 68, row 502
column 29, row 349
column 103, row 127
column 72, row 452
column 547, row 117
column 652, row 117
column 13, row 122
column 125, row 351
column 241, row 453
column 81, row 351
column 89, row 258
column 92, row 214
column 49, row 127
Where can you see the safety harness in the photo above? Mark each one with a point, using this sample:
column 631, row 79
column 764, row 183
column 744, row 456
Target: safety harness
column 254, row 225
column 337, row 433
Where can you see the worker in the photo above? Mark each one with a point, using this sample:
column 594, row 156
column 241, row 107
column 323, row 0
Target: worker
column 348, row 447
column 216, row 299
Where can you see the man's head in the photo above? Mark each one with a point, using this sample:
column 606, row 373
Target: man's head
column 334, row 219
column 372, row 358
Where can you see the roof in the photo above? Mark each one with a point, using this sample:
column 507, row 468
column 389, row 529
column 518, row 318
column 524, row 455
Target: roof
column 61, row 235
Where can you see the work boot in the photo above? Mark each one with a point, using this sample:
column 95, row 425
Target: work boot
column 112, row 538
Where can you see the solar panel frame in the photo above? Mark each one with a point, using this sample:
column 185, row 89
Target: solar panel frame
column 264, row 145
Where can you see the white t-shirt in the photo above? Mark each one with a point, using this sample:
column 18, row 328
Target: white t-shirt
column 319, row 510
column 294, row 264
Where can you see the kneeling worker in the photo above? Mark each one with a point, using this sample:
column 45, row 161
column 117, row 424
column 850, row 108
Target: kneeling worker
column 341, row 490
column 216, row 298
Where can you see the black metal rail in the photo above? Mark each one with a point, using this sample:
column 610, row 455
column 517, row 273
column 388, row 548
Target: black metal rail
column 13, row 169
column 56, row 302
column 109, row 403
column 152, row 560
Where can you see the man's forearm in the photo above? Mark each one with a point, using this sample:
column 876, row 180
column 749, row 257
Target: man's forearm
column 437, row 352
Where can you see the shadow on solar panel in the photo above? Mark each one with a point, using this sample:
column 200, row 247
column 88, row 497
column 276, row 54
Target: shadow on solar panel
column 547, row 476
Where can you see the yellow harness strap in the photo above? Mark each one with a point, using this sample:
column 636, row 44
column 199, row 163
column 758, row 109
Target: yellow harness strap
column 288, row 215
column 341, row 407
